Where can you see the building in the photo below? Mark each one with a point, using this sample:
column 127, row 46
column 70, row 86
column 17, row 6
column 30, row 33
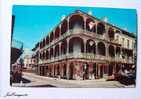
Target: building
column 16, row 46
column 15, row 61
column 29, row 61
column 85, row 47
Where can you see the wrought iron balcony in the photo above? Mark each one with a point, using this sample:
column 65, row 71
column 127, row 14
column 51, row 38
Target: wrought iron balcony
column 88, row 56
column 78, row 31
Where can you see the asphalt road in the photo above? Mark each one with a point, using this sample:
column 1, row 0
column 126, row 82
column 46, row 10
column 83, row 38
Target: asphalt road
column 41, row 81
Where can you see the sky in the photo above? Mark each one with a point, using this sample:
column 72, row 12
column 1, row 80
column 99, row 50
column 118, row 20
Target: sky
column 33, row 23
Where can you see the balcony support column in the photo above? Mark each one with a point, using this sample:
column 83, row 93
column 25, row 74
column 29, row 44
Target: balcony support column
column 85, row 45
column 96, row 44
column 59, row 31
column 52, row 70
column 96, row 26
column 38, row 70
column 107, row 50
column 53, row 52
column 67, row 52
column 84, row 23
column 68, row 20
column 44, row 54
column 59, row 50
column 38, row 57
column 67, row 71
column 106, row 32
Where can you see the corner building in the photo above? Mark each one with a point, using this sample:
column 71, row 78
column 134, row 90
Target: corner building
column 84, row 47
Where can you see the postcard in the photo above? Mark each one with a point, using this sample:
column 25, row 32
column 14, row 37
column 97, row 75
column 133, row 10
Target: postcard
column 63, row 49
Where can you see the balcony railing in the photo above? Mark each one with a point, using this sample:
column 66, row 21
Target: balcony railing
column 78, row 31
column 89, row 56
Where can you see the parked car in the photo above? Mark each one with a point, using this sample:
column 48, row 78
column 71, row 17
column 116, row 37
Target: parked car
column 127, row 79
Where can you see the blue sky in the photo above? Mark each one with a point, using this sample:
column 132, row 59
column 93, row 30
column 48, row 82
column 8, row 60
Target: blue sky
column 32, row 23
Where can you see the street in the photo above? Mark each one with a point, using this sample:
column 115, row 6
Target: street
column 34, row 80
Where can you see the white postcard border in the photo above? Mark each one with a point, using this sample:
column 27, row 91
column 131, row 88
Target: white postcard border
column 63, row 93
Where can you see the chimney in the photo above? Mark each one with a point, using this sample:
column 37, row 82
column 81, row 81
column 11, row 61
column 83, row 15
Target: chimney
column 63, row 17
column 90, row 12
column 105, row 19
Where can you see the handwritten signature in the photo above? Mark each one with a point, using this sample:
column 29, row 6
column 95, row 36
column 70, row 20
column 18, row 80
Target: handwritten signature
column 15, row 94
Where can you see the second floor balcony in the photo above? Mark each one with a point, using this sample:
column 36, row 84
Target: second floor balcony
column 88, row 57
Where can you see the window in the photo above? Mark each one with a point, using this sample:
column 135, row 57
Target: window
column 105, row 69
column 117, row 38
column 123, row 41
column 128, row 44
column 133, row 45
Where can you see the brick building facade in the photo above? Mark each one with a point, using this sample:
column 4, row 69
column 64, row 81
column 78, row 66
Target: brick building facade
column 85, row 47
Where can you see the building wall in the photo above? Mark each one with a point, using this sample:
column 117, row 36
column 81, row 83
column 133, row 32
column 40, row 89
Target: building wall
column 125, row 43
column 29, row 63
column 92, row 41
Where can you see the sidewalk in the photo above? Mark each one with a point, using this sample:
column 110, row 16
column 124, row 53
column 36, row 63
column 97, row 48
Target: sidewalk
column 41, row 81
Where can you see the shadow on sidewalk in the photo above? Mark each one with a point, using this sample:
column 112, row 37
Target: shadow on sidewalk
column 43, row 86
column 25, row 80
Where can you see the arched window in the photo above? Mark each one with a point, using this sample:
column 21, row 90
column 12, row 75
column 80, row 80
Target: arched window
column 76, row 21
column 56, row 50
column 76, row 45
column 51, row 52
column 111, row 51
column 90, row 25
column 118, row 50
column 90, row 46
column 47, row 54
column 47, row 40
column 100, row 28
column 64, row 47
column 57, row 32
column 51, row 36
column 64, row 27
column 101, row 48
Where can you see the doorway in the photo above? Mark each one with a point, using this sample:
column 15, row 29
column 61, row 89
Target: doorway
column 71, row 67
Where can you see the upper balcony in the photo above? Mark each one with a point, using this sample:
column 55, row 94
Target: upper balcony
column 81, row 31
column 80, row 24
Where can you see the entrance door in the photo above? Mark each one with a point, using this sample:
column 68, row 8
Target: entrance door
column 86, row 71
column 71, row 71
column 40, row 70
column 101, row 71
column 94, row 70
column 44, row 71
column 64, row 71
column 58, row 70
column 54, row 70
column 110, row 69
